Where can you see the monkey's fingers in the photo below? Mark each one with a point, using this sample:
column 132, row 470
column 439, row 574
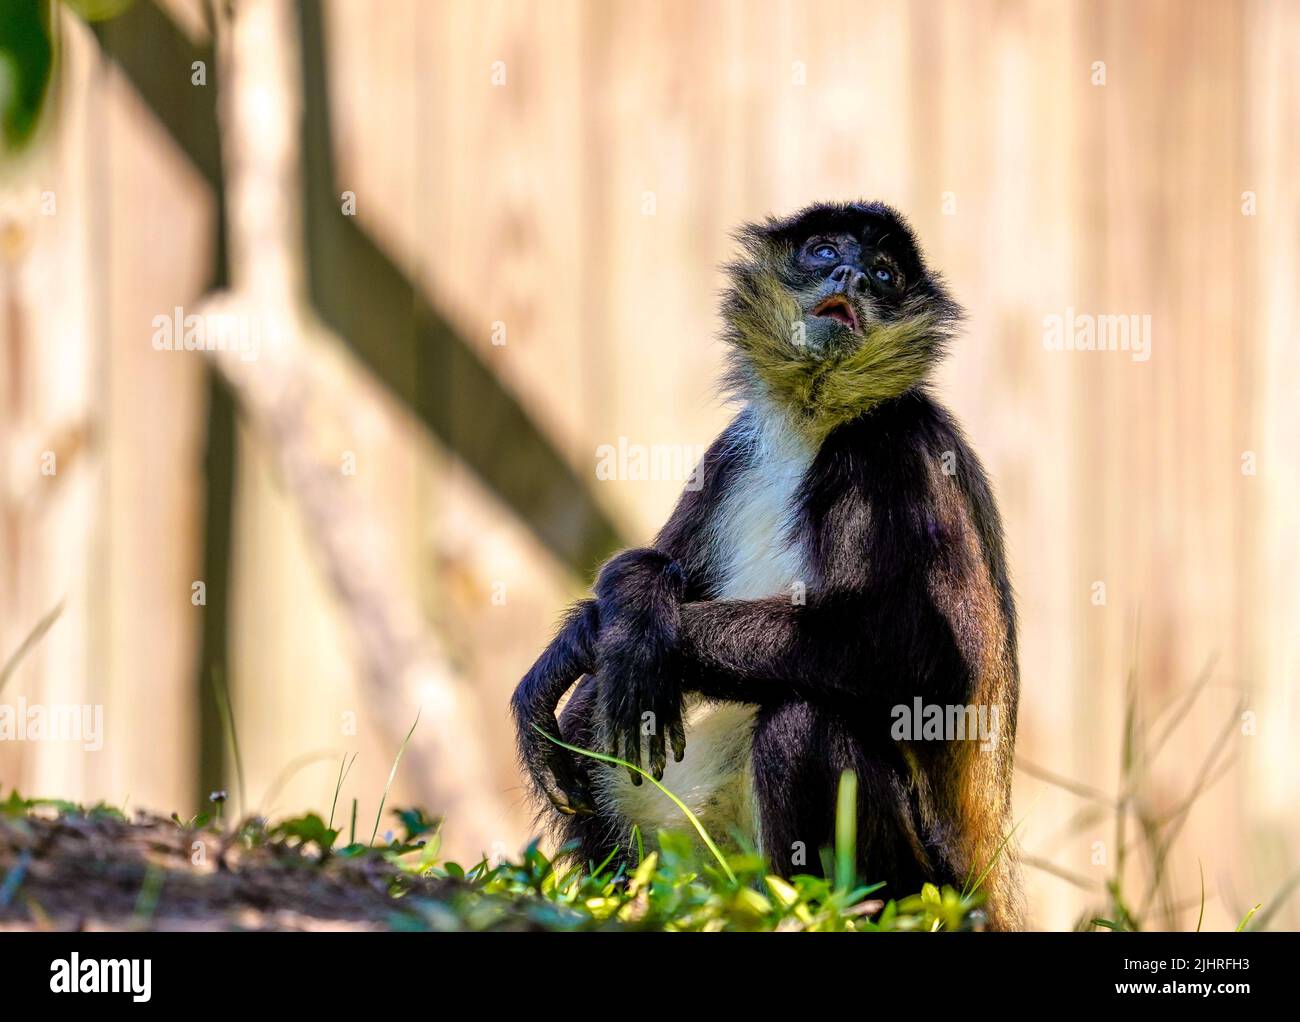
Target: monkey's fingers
column 614, row 743
column 658, row 758
column 667, row 718
column 677, row 736
column 632, row 751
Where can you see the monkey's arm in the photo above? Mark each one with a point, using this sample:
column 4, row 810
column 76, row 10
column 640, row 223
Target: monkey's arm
column 629, row 631
column 751, row 650
column 639, row 594
column 915, row 613
column 571, row 654
column 834, row 649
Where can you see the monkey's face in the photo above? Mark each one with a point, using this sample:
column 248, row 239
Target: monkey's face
column 850, row 270
column 844, row 283
column 835, row 304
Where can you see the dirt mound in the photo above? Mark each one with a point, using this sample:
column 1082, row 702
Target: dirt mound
column 97, row 870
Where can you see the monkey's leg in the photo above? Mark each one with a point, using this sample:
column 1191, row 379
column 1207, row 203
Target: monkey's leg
column 799, row 751
column 794, row 783
column 554, row 771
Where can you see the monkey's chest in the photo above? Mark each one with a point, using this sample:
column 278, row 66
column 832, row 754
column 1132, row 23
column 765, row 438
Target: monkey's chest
column 756, row 550
column 755, row 553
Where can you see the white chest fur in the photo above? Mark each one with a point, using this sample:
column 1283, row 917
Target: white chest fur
column 752, row 544
column 756, row 555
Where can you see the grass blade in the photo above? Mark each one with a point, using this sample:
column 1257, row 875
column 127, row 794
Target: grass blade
column 33, row 637
column 640, row 845
column 228, row 726
column 345, row 768
column 992, row 859
column 1201, row 918
column 391, row 774
column 846, row 831
column 1279, row 899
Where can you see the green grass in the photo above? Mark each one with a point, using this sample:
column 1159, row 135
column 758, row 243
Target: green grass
column 672, row 889
column 675, row 888
column 678, row 886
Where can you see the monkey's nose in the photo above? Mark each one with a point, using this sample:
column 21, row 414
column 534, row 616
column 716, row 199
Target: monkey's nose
column 852, row 281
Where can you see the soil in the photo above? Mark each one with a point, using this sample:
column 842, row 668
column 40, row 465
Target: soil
column 98, row 872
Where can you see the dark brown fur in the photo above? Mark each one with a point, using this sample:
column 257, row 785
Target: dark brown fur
column 907, row 596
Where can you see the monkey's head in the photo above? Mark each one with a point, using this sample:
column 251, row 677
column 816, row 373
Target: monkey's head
column 832, row 310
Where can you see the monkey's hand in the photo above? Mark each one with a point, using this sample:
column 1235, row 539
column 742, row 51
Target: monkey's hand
column 556, row 772
column 639, row 595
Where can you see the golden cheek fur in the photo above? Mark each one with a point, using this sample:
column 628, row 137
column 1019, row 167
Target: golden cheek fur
column 822, row 391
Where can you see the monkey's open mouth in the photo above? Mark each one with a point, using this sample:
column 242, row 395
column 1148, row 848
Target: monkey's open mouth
column 837, row 307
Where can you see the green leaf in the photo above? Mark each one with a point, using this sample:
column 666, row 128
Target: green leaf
column 26, row 66
column 15, row 806
column 416, row 823
column 309, row 828
column 782, row 891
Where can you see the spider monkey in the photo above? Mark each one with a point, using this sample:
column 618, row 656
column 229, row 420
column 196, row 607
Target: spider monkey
column 842, row 560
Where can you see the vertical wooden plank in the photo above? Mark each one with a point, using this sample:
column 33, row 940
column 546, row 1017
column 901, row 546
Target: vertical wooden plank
column 153, row 220
column 294, row 681
column 1270, row 604
column 110, row 533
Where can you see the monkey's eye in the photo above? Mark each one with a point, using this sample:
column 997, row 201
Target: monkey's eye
column 825, row 251
column 885, row 276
